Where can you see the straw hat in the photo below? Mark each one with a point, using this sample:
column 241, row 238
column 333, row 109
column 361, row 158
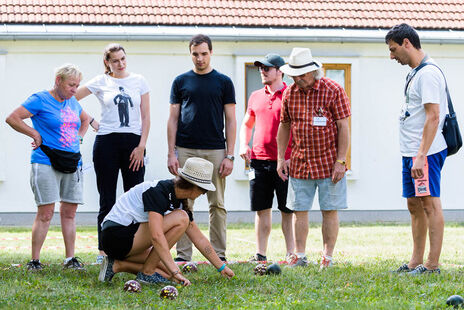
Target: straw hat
column 300, row 62
column 198, row 171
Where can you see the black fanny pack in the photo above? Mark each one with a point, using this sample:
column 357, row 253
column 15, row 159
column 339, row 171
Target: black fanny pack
column 62, row 161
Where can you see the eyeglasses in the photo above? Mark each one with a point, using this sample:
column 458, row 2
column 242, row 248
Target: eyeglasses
column 264, row 68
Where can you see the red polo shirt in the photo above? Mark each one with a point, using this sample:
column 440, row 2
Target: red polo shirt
column 314, row 148
column 265, row 108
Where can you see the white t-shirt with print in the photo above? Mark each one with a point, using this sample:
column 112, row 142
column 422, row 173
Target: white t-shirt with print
column 427, row 86
column 120, row 101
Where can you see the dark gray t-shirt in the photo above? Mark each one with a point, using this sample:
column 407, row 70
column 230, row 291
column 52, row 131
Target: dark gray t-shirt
column 202, row 98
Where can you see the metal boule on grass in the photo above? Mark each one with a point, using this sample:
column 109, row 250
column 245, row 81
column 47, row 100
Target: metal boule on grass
column 190, row 267
column 455, row 301
column 132, row 286
column 274, row 269
column 260, row 269
column 169, row 292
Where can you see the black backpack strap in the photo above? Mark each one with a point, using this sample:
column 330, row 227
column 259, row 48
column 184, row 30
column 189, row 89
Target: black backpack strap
column 450, row 103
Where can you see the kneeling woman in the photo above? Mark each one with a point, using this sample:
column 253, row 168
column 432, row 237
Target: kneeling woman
column 147, row 221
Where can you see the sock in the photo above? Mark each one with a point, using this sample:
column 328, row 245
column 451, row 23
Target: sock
column 67, row 260
column 300, row 255
column 327, row 257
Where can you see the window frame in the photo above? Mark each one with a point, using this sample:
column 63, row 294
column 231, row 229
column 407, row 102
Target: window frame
column 346, row 67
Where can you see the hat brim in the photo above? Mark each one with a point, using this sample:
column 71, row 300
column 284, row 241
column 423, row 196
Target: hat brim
column 299, row 71
column 259, row 63
column 208, row 186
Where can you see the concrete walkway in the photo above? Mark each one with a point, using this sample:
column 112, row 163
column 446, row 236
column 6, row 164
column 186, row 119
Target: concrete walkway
column 348, row 216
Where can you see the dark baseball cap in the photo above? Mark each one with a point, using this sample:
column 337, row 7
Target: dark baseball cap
column 271, row 60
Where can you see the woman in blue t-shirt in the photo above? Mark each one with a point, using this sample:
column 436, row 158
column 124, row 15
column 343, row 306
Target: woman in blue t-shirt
column 58, row 123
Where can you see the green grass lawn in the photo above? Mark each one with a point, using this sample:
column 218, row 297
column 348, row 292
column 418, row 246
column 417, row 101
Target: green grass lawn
column 359, row 280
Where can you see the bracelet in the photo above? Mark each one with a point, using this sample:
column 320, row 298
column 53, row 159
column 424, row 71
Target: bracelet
column 91, row 121
column 80, row 139
column 343, row 162
column 222, row 267
column 174, row 273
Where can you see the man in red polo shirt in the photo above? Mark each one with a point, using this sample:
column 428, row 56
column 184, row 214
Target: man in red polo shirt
column 263, row 113
column 315, row 109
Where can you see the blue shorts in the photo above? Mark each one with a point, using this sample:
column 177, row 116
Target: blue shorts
column 435, row 162
column 301, row 194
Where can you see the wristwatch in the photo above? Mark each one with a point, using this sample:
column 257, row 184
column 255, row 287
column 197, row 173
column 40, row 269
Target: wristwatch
column 231, row 157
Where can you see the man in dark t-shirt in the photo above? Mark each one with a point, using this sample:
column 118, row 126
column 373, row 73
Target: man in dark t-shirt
column 202, row 104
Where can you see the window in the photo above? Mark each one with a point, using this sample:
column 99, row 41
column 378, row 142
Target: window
column 340, row 73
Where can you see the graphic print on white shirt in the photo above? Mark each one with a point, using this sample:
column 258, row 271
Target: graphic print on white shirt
column 120, row 101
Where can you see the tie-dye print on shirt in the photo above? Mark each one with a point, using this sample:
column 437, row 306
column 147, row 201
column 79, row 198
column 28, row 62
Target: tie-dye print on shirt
column 68, row 128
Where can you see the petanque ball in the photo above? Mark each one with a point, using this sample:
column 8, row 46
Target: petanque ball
column 274, row 269
column 169, row 292
column 455, row 301
column 132, row 286
column 190, row 267
column 260, row 269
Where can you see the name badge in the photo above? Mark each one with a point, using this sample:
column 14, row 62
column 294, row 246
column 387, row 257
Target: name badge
column 251, row 174
column 319, row 121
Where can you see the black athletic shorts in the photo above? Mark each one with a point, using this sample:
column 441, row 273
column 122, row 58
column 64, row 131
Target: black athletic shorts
column 117, row 240
column 264, row 184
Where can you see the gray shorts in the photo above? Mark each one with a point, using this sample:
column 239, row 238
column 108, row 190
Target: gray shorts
column 331, row 196
column 50, row 186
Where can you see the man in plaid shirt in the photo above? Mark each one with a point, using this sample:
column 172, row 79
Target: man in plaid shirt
column 316, row 110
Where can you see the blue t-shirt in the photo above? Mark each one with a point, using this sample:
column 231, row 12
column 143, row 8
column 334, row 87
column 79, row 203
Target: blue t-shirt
column 57, row 122
column 202, row 98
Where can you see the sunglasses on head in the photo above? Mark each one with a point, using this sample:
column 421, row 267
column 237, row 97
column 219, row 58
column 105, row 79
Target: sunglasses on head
column 264, row 68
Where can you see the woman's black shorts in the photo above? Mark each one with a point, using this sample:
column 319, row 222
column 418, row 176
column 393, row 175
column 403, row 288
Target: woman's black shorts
column 117, row 240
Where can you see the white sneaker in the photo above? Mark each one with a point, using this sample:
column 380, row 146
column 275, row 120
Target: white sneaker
column 326, row 262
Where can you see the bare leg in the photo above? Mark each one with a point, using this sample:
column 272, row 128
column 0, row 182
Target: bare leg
column 419, row 231
column 263, row 227
column 174, row 225
column 68, row 226
column 287, row 229
column 40, row 228
column 436, row 225
column 301, row 230
column 329, row 231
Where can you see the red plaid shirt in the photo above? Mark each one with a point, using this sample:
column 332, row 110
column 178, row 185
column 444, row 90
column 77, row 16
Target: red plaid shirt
column 314, row 148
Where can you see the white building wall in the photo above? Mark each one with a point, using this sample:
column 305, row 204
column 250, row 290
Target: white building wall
column 377, row 86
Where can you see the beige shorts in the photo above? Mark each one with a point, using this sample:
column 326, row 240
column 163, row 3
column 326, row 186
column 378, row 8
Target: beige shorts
column 50, row 186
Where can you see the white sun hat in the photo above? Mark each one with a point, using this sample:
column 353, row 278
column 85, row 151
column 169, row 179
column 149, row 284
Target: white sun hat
column 300, row 62
column 198, row 171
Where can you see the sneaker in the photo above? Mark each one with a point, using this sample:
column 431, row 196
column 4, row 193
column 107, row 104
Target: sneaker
column 403, row 268
column 155, row 278
column 34, row 265
column 180, row 259
column 106, row 269
column 300, row 262
column 223, row 259
column 326, row 262
column 291, row 258
column 99, row 259
column 421, row 269
column 257, row 258
column 74, row 263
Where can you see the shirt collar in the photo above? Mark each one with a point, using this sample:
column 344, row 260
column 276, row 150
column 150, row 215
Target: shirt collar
column 266, row 89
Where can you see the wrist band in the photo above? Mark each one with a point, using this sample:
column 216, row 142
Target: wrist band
column 173, row 274
column 222, row 267
column 91, row 121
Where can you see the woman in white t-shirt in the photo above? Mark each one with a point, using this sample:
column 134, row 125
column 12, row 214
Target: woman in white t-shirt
column 123, row 128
